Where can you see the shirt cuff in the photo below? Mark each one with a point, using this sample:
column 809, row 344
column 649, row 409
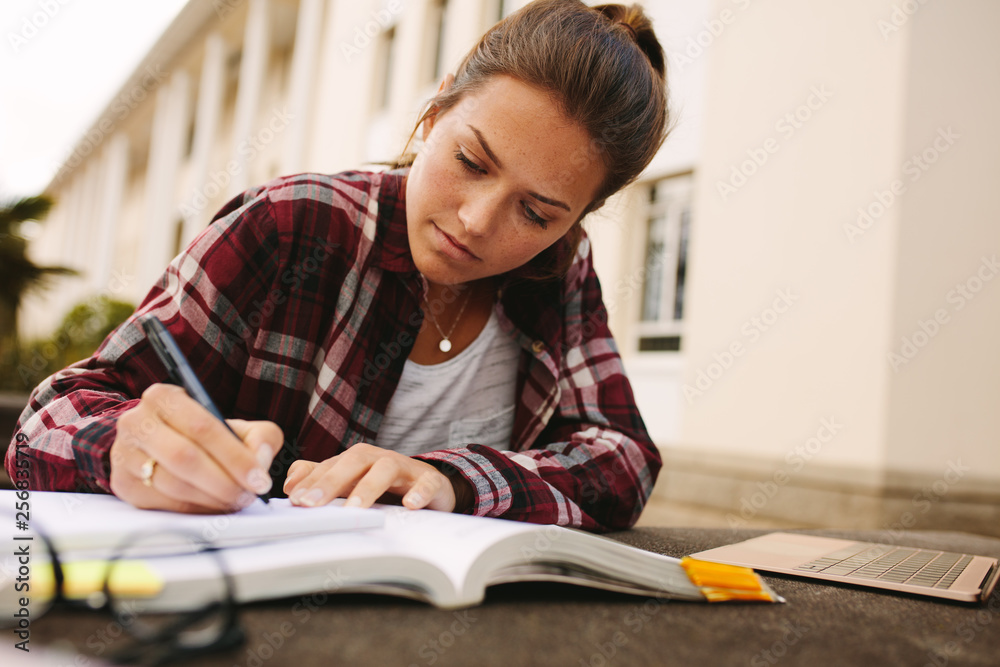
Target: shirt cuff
column 492, row 493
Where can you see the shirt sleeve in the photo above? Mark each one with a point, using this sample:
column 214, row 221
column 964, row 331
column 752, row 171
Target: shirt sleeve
column 594, row 464
column 69, row 424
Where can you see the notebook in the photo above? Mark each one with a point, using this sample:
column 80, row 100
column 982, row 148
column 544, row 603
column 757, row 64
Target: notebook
column 942, row 574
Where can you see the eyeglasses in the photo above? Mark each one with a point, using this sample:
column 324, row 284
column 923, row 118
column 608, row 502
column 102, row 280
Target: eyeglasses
column 164, row 626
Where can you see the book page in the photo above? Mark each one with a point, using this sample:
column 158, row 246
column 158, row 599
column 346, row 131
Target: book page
column 453, row 542
column 94, row 525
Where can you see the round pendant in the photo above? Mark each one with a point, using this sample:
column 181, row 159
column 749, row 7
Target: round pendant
column 445, row 345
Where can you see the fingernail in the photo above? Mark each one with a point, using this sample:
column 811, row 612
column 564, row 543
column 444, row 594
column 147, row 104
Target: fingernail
column 312, row 497
column 259, row 480
column 353, row 501
column 245, row 500
column 264, row 456
column 414, row 498
column 296, row 497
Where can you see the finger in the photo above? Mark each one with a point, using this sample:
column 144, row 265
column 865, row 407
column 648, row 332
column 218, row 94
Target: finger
column 263, row 438
column 431, row 490
column 177, row 456
column 296, row 473
column 231, row 456
column 385, row 474
column 166, row 486
column 164, row 490
column 333, row 478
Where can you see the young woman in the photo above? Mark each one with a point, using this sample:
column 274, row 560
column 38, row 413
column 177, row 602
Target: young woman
column 432, row 334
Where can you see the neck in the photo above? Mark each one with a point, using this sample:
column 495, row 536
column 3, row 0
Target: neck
column 449, row 295
column 453, row 317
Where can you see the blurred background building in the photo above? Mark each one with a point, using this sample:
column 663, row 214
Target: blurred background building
column 802, row 284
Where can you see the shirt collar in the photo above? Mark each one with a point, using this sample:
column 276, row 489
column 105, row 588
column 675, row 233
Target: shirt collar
column 392, row 245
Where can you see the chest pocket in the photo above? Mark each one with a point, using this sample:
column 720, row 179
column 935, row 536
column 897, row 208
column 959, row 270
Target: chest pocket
column 494, row 431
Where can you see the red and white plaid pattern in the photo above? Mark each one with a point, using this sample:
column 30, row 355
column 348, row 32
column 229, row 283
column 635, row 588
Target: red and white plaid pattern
column 293, row 306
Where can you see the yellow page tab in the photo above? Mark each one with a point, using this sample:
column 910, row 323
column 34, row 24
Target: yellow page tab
column 131, row 578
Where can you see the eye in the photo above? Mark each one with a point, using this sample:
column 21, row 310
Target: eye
column 530, row 214
column 468, row 164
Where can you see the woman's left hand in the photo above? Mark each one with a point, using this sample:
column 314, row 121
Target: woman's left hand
column 363, row 473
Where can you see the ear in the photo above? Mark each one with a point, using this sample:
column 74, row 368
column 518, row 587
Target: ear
column 446, row 83
column 431, row 118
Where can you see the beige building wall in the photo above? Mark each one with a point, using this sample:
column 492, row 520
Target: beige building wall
column 945, row 379
column 844, row 201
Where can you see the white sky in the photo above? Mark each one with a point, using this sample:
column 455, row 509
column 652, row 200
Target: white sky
column 55, row 82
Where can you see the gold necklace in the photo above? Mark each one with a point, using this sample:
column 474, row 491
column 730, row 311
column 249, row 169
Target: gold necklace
column 445, row 344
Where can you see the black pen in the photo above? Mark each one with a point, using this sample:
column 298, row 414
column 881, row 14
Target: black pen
column 180, row 370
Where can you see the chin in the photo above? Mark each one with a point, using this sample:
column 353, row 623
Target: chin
column 438, row 271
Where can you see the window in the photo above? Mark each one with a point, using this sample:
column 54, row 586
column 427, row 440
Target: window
column 668, row 227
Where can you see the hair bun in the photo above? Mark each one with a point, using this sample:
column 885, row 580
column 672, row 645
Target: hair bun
column 633, row 19
column 628, row 27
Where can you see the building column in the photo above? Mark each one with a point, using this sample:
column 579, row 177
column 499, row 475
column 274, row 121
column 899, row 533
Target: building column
column 196, row 207
column 253, row 68
column 330, row 149
column 114, row 164
column 72, row 218
column 307, row 35
column 166, row 147
column 84, row 218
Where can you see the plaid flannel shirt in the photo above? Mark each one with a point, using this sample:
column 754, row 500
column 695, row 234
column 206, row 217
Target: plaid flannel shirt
column 299, row 305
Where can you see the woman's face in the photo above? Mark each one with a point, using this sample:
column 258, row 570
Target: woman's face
column 499, row 179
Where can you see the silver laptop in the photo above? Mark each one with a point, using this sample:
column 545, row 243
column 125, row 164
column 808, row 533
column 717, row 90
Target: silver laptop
column 942, row 574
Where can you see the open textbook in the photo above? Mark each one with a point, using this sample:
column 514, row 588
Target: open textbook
column 448, row 560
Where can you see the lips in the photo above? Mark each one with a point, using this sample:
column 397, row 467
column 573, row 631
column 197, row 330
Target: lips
column 452, row 248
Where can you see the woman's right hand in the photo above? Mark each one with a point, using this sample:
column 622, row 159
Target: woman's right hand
column 200, row 467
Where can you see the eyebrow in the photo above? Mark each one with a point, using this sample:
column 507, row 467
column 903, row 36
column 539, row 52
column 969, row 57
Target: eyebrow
column 493, row 156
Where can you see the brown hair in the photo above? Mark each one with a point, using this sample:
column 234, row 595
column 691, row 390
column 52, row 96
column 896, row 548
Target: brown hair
column 604, row 66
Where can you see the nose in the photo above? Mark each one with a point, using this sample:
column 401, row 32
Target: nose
column 480, row 211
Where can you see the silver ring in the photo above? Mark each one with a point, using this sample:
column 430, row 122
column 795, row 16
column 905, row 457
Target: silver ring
column 146, row 472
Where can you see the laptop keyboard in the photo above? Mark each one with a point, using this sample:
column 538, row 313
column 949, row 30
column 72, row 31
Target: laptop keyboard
column 899, row 565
